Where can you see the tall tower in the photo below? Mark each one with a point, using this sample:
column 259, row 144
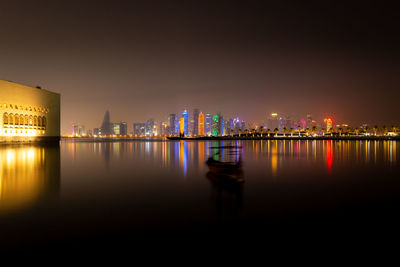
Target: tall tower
column 106, row 125
column 186, row 121
column 309, row 121
column 201, row 124
column 216, row 124
column 208, row 124
column 273, row 121
column 329, row 123
column 195, row 122
column 171, row 124
column 182, row 126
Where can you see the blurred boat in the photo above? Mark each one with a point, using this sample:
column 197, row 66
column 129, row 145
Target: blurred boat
column 225, row 170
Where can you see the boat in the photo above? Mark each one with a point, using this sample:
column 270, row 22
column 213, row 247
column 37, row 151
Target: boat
column 222, row 170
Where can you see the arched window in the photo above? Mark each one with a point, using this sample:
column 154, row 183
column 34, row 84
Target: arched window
column 35, row 121
column 11, row 119
column 30, row 120
column 5, row 118
column 21, row 119
column 26, row 120
column 44, row 122
column 16, row 119
column 40, row 121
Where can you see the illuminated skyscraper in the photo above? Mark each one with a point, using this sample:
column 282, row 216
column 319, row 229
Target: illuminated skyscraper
column 116, row 128
column 182, row 126
column 208, row 124
column 214, row 125
column 201, row 124
column 217, row 125
column 273, row 121
column 171, row 124
column 75, row 129
column 329, row 123
column 195, row 122
column 139, row 129
column 309, row 121
column 150, row 127
column 186, row 122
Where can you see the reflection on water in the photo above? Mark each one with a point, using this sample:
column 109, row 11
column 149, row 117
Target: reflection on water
column 140, row 187
column 27, row 175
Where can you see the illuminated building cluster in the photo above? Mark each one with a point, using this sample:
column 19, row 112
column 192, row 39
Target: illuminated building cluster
column 199, row 124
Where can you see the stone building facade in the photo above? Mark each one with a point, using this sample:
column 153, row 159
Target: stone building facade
column 28, row 113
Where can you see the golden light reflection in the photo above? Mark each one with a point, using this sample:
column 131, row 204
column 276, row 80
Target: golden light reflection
column 26, row 176
column 274, row 158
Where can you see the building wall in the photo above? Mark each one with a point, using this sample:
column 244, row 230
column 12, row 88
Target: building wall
column 31, row 104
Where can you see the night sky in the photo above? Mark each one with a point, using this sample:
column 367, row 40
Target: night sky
column 146, row 59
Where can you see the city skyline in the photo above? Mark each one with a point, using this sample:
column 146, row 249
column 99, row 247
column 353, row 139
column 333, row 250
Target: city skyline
column 200, row 124
column 140, row 60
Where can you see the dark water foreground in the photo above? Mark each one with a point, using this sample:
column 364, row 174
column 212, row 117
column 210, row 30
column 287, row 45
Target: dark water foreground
column 118, row 195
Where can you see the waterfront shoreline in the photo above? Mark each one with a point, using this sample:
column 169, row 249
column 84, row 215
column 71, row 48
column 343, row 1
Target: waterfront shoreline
column 228, row 138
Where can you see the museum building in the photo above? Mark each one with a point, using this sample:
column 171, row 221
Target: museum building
column 28, row 113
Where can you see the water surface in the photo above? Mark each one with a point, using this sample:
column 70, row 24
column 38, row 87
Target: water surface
column 90, row 192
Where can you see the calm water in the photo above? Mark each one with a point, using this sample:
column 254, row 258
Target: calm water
column 90, row 192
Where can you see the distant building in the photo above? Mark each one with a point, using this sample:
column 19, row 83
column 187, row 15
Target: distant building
column 228, row 126
column 185, row 117
column 208, row 124
column 163, row 130
column 123, row 127
column 116, row 129
column 139, row 129
column 150, row 127
column 182, row 126
column 273, row 121
column 217, row 125
column 201, row 124
column 309, row 120
column 82, row 131
column 75, row 129
column 195, row 131
column 329, row 124
column 172, row 124
column 96, row 131
column 28, row 113
column 106, row 127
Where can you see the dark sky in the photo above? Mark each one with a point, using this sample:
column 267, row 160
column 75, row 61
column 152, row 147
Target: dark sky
column 146, row 59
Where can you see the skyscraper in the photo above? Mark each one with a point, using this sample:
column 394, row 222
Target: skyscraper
column 208, row 124
column 186, row 122
column 217, row 125
column 201, row 124
column 329, row 124
column 171, row 124
column 181, row 126
column 150, row 127
column 139, row 129
column 123, row 128
column 106, row 125
column 116, row 128
column 273, row 121
column 195, row 131
column 309, row 121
